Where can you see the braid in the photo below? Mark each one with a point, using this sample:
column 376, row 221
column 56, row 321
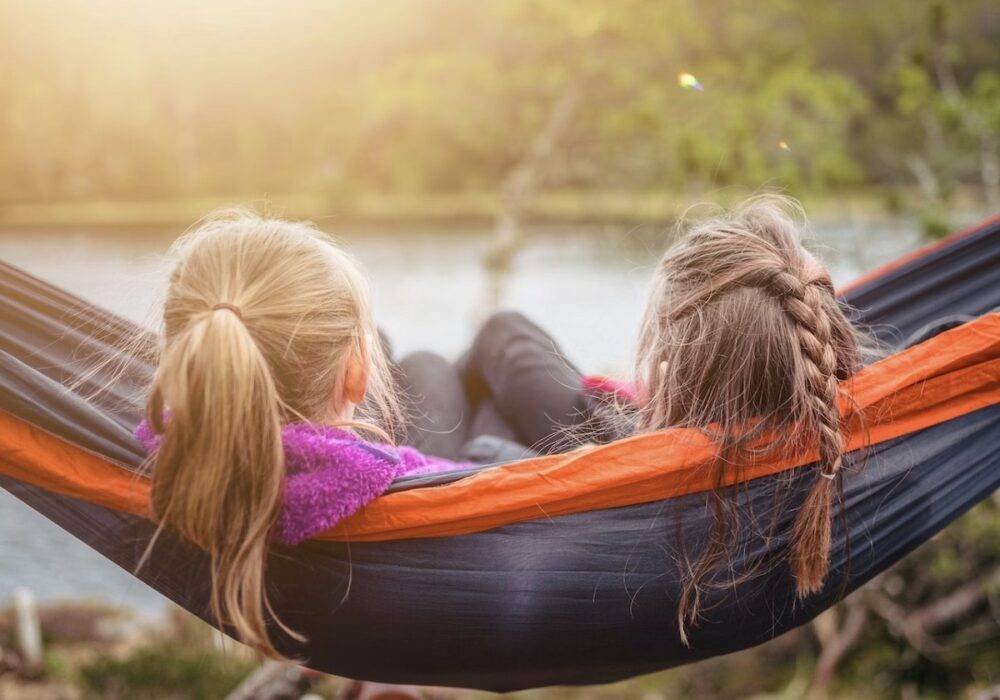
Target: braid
column 803, row 303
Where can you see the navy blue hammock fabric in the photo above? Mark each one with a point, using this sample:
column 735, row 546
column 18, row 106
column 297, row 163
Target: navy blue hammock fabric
column 588, row 597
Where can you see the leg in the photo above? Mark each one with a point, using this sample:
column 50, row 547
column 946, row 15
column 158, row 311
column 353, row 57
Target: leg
column 488, row 421
column 533, row 386
column 438, row 414
column 491, row 440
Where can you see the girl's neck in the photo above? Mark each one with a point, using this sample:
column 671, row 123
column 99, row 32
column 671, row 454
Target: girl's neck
column 340, row 416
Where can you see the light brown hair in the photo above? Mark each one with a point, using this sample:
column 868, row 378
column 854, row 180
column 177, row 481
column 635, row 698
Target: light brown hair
column 744, row 338
column 260, row 318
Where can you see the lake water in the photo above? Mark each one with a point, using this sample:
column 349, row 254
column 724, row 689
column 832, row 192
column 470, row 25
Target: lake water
column 585, row 284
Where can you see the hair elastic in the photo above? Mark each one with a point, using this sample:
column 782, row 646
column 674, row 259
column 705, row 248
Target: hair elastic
column 831, row 477
column 229, row 307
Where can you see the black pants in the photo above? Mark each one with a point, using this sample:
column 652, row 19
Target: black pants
column 513, row 383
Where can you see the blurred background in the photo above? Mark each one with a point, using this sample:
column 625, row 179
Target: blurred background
column 533, row 154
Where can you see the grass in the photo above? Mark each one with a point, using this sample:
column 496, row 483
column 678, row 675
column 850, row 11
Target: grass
column 166, row 670
column 182, row 661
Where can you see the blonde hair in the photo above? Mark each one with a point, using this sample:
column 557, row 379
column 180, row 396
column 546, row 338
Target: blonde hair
column 744, row 337
column 260, row 319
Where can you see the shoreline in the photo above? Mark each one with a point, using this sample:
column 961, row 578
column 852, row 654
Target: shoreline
column 478, row 209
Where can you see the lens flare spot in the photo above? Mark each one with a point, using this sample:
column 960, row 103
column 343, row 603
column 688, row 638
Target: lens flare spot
column 689, row 82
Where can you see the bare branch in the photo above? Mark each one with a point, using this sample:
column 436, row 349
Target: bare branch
column 918, row 626
column 991, row 693
column 836, row 646
column 520, row 186
column 925, row 177
column 942, row 611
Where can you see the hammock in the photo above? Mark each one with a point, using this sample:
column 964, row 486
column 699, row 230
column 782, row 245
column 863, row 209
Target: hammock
column 557, row 570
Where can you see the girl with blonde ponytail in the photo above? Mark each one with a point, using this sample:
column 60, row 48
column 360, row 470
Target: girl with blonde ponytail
column 270, row 362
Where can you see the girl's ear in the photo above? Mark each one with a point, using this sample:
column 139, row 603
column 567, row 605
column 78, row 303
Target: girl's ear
column 356, row 378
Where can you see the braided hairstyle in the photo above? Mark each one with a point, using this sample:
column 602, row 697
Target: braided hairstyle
column 743, row 337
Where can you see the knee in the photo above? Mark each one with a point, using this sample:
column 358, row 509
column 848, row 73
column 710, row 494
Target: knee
column 501, row 324
column 420, row 370
column 504, row 335
column 422, row 361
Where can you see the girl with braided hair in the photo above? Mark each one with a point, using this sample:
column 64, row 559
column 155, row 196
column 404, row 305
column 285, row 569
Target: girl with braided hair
column 743, row 338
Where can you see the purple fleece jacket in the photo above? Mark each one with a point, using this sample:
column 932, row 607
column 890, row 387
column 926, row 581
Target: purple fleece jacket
column 331, row 474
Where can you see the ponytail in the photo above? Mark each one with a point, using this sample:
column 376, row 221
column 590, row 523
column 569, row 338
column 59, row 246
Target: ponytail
column 218, row 473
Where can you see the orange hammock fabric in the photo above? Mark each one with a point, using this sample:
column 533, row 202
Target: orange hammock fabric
column 948, row 376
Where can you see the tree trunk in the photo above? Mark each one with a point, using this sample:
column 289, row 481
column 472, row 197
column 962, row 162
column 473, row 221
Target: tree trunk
column 520, row 186
column 28, row 633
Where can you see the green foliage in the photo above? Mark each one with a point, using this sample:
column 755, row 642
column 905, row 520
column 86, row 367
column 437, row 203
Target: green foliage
column 184, row 663
column 56, row 667
column 173, row 100
column 934, row 223
column 167, row 670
